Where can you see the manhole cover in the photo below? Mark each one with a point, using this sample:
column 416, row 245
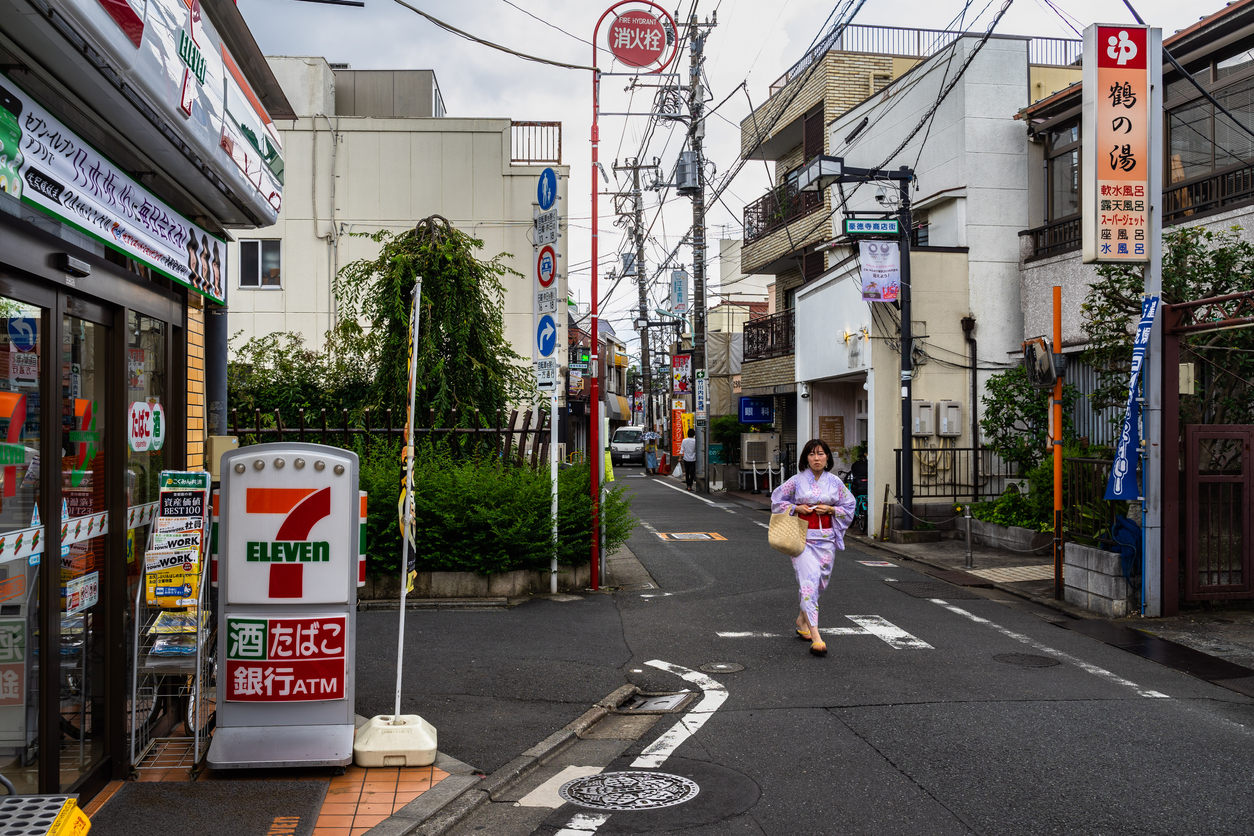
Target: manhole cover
column 1026, row 660
column 629, row 791
column 722, row 667
column 922, row 589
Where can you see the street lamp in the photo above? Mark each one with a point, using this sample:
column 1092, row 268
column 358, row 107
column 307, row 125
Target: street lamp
column 823, row 172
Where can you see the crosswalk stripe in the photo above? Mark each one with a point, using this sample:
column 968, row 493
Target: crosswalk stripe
column 868, row 625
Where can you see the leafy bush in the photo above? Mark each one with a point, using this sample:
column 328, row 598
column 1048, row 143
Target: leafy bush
column 1016, row 417
column 482, row 515
column 1012, row 508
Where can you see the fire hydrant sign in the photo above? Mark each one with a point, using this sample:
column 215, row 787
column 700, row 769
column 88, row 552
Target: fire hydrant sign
column 637, row 38
column 285, row 659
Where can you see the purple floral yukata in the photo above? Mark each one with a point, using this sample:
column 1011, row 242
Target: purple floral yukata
column 814, row 565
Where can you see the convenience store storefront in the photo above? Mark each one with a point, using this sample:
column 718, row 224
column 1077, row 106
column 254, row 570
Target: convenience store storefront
column 120, row 174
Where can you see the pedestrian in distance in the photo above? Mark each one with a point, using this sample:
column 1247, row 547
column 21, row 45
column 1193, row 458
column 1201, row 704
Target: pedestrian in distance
column 827, row 506
column 688, row 450
column 650, row 452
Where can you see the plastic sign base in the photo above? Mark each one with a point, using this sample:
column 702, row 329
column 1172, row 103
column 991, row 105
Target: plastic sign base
column 403, row 740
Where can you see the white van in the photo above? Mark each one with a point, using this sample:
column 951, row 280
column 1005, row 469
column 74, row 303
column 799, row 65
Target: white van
column 627, row 446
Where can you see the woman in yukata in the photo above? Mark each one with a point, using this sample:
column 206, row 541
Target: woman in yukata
column 827, row 506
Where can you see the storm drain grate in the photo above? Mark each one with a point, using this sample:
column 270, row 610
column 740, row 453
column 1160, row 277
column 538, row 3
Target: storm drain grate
column 923, row 589
column 657, row 703
column 629, row 790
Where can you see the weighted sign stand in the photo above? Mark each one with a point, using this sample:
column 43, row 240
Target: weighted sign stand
column 287, row 607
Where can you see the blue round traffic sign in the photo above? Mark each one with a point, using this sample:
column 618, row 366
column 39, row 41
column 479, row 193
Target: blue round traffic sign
column 546, row 189
column 546, row 336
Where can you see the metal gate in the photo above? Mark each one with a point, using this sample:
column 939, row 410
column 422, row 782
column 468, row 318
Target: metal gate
column 1218, row 479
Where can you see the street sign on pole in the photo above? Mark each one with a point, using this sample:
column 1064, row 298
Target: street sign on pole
column 699, row 401
column 546, row 227
column 637, row 38
column 546, row 266
column 867, row 226
column 546, row 301
column 546, row 190
column 546, row 335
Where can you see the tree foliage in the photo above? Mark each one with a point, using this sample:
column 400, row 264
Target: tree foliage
column 1016, row 418
column 465, row 361
column 1197, row 263
column 278, row 371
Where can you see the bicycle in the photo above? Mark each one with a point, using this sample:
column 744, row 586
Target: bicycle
column 860, row 510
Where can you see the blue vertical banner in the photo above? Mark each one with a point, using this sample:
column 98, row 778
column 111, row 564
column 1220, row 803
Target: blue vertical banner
column 1123, row 482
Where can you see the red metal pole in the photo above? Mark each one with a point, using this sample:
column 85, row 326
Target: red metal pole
column 1056, row 411
column 594, row 395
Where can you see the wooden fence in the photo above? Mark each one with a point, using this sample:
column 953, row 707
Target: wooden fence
column 504, row 440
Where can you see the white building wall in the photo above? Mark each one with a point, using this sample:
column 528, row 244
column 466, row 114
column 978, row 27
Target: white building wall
column 971, row 185
column 353, row 176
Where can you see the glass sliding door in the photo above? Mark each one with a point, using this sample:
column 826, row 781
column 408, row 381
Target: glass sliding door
column 21, row 363
column 84, row 356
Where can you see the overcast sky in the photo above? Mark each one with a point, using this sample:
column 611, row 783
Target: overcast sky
column 754, row 42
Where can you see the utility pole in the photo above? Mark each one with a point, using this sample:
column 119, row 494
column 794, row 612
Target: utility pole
column 642, row 319
column 904, row 177
column 696, row 134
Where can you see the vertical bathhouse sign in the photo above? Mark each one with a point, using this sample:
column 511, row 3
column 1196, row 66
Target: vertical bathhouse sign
column 1117, row 158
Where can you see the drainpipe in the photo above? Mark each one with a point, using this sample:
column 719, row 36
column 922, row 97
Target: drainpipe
column 217, row 336
column 968, row 328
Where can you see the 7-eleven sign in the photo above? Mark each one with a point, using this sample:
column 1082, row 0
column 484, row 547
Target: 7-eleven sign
column 289, row 531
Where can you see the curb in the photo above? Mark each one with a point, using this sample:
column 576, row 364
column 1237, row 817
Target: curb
column 443, row 807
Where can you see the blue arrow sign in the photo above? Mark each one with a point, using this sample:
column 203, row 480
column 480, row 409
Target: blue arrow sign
column 23, row 332
column 546, row 336
column 546, row 189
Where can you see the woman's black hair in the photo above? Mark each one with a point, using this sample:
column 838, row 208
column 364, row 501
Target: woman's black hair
column 803, row 463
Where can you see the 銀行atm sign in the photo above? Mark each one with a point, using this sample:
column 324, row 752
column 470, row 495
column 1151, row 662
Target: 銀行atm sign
column 297, row 659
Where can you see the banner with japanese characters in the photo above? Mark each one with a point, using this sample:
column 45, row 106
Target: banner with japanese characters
column 54, row 170
column 1118, row 158
column 1122, row 483
column 881, row 270
column 290, row 659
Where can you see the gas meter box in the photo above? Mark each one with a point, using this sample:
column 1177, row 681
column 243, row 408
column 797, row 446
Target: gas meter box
column 922, row 418
column 287, row 580
column 949, row 419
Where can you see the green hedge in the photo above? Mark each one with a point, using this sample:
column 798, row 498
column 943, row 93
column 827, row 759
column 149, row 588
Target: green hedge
column 482, row 514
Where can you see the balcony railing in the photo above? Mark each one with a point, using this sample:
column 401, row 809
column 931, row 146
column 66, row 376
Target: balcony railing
column 769, row 336
column 918, row 43
column 535, row 142
column 1209, row 194
column 1201, row 196
column 780, row 206
column 1056, row 237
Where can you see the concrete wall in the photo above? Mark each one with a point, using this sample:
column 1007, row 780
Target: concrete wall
column 349, row 175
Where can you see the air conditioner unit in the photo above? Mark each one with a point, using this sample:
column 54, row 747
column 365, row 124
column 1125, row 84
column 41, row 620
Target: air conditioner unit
column 762, row 448
column 686, row 176
column 948, row 419
column 922, row 418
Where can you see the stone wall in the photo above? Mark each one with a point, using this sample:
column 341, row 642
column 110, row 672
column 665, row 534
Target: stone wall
column 1093, row 580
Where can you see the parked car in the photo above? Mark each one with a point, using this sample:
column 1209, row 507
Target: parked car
column 627, row 446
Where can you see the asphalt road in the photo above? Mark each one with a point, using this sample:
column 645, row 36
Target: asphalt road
column 950, row 713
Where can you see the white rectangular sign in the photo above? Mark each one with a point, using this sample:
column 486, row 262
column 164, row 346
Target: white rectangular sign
column 546, row 227
column 546, row 373
column 699, row 403
column 546, row 301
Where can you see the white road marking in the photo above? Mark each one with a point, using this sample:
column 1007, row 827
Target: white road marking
column 893, row 635
column 546, row 794
column 581, row 824
column 1067, row 657
column 867, row 625
column 657, row 595
column 711, row 503
column 656, row 753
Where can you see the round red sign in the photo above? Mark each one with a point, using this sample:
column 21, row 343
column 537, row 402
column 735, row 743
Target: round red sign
column 637, row 38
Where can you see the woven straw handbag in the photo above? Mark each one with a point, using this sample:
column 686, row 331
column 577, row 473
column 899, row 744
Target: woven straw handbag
column 787, row 534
